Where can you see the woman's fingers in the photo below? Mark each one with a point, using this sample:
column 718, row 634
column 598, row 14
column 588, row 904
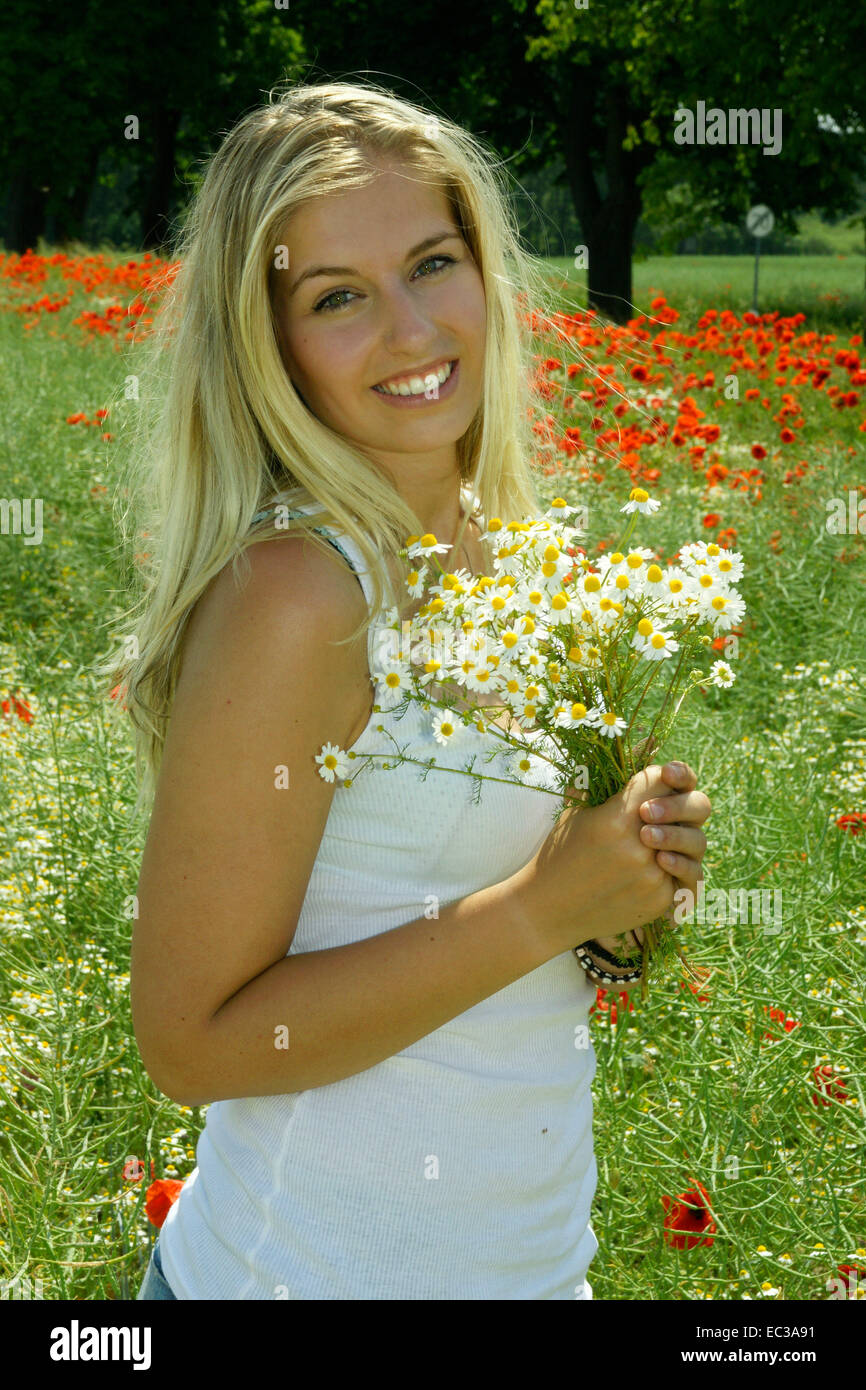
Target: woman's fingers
column 692, row 807
column 680, row 776
column 675, row 839
column 685, row 870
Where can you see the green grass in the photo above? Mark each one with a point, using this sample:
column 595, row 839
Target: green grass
column 828, row 289
column 685, row 1088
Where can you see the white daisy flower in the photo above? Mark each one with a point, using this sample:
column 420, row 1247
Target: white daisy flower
column 570, row 715
column 333, row 762
column 559, row 508
column 446, row 728
column 426, row 545
column 608, row 723
column 609, row 613
column 615, row 560
column 531, row 771
column 675, row 588
column 451, row 586
column 722, row 674
column 640, row 501
column 725, row 610
column 415, row 580
column 393, row 683
column 726, row 563
column 659, row 646
column 477, row 678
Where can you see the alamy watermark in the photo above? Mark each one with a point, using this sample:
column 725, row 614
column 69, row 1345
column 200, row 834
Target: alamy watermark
column 846, row 519
column 735, row 127
column 17, row 511
column 758, row 906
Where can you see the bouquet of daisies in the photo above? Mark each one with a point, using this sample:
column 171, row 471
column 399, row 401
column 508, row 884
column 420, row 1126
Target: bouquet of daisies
column 595, row 658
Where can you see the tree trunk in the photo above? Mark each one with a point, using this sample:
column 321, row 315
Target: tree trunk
column 607, row 223
column 25, row 217
column 155, row 221
column 70, row 216
column 609, row 242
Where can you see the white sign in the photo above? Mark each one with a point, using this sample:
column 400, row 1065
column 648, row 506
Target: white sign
column 759, row 220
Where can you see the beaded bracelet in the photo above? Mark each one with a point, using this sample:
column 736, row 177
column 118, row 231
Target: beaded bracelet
column 595, row 971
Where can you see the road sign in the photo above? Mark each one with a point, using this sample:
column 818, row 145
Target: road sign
column 760, row 220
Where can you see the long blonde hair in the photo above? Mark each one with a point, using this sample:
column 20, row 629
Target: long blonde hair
column 222, row 432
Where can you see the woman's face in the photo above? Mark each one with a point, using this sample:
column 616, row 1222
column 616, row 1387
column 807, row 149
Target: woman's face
column 363, row 302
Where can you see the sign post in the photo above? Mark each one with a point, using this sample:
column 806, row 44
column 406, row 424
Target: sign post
column 760, row 222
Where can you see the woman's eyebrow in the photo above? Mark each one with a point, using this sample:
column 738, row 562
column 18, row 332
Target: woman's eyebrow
column 424, row 245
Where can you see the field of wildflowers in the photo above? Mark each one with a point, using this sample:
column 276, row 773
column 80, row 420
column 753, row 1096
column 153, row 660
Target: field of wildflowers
column 730, row 1122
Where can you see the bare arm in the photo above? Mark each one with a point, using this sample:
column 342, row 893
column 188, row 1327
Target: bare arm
column 229, row 856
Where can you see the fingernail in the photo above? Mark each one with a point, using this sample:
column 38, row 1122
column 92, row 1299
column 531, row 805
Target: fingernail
column 679, row 769
column 655, row 835
column 654, row 810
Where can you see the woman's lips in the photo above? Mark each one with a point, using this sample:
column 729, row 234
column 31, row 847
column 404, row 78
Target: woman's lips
column 443, row 390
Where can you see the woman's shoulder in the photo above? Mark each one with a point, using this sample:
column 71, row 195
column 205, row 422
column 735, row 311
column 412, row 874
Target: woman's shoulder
column 288, row 580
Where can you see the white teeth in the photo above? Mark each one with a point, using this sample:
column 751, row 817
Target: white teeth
column 415, row 386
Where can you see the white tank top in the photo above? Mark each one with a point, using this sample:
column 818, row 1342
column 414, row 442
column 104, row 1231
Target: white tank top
column 463, row 1166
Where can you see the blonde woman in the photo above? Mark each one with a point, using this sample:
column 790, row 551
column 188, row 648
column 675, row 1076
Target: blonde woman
column 373, row 988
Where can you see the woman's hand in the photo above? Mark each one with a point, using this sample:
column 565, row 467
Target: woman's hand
column 681, row 844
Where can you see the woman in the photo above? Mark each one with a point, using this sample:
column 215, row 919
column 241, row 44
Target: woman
column 373, row 987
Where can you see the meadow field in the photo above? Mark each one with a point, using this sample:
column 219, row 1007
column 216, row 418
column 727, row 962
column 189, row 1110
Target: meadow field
column 730, row 1122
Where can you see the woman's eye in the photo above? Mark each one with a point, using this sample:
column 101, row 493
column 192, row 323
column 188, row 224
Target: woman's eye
column 323, row 304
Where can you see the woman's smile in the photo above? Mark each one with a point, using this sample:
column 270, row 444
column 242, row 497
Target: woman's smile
column 420, row 391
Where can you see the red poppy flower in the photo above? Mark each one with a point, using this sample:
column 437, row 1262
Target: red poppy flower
column 853, row 821
column 689, row 1220
column 779, row 1016
column 827, row 1086
column 161, row 1196
column 853, row 1275
column 712, row 519
column 133, row 1170
column 787, row 436
column 758, row 452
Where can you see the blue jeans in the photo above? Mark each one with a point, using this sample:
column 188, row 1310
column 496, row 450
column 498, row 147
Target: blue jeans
column 154, row 1283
